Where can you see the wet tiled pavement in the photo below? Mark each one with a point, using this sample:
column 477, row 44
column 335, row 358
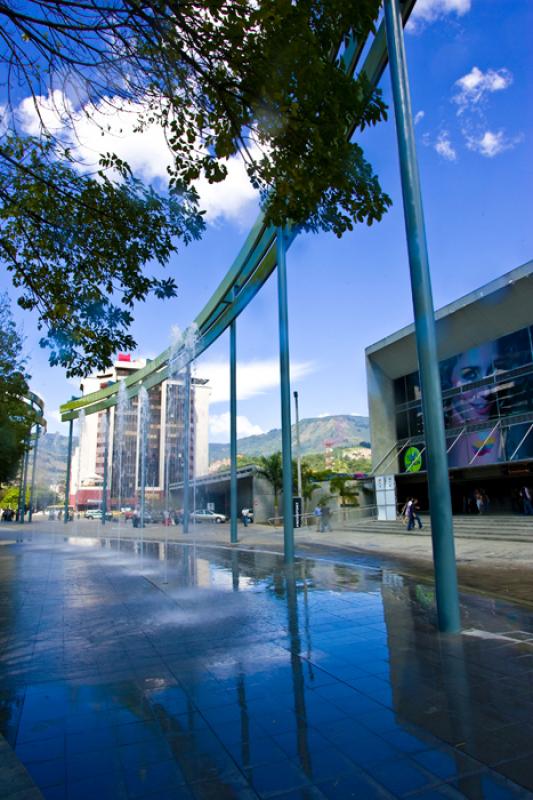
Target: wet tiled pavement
column 207, row 673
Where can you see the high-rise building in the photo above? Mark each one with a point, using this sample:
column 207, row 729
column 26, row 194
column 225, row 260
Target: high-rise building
column 164, row 434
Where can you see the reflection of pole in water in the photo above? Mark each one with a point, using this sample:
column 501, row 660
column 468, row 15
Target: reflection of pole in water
column 245, row 724
column 235, row 570
column 414, row 678
column 457, row 688
column 297, row 670
column 307, row 625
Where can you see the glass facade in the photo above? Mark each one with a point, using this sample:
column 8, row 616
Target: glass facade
column 488, row 405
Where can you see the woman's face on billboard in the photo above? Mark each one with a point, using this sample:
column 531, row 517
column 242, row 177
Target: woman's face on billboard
column 473, row 405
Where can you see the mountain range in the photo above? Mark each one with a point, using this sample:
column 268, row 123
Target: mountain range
column 316, row 435
column 342, row 430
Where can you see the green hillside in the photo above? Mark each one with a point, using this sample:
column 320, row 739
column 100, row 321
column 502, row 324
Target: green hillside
column 339, row 431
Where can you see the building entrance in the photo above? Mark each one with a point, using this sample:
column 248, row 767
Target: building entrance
column 489, row 490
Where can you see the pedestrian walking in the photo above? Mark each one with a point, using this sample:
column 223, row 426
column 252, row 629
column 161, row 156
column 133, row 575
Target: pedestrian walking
column 527, row 498
column 413, row 515
column 325, row 518
column 245, row 514
column 317, row 513
column 404, row 513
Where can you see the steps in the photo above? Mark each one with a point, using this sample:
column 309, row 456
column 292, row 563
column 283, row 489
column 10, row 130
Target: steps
column 498, row 527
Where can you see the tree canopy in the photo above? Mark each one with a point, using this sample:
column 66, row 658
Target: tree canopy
column 220, row 77
column 15, row 415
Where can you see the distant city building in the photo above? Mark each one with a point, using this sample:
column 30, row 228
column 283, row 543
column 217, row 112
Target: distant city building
column 485, row 348
column 165, row 439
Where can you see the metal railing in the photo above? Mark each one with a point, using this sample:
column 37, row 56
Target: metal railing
column 338, row 518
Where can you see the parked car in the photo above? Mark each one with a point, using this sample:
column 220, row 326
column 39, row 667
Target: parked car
column 203, row 515
column 96, row 513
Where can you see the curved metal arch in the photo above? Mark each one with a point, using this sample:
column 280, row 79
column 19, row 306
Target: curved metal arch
column 36, row 405
column 253, row 265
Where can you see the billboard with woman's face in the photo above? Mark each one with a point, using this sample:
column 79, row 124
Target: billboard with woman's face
column 488, row 387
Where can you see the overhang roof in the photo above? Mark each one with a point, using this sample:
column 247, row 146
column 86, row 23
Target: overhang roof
column 501, row 306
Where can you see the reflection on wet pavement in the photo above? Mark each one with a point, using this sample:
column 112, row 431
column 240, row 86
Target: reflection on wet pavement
column 184, row 672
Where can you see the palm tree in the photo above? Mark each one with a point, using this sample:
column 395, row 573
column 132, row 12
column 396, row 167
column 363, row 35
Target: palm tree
column 271, row 467
column 308, row 483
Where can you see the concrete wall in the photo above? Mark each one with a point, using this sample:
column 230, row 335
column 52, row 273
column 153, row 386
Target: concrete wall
column 263, row 502
column 382, row 417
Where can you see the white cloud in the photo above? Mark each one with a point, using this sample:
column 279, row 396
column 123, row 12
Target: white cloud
column 110, row 127
column 52, row 112
column 490, row 144
column 232, row 199
column 428, row 11
column 444, row 147
column 419, row 116
column 253, row 377
column 4, row 119
column 324, row 414
column 476, row 85
column 219, row 425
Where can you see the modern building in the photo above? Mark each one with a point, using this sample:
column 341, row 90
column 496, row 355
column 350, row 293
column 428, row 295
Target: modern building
column 485, row 347
column 165, row 450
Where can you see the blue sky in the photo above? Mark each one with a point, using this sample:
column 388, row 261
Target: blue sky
column 469, row 65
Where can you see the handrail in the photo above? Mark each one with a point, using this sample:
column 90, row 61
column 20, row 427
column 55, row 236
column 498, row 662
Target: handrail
column 310, row 517
column 387, row 454
column 253, row 265
column 450, row 448
column 402, row 448
column 522, row 440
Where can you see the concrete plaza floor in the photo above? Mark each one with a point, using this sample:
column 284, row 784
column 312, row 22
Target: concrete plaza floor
column 134, row 669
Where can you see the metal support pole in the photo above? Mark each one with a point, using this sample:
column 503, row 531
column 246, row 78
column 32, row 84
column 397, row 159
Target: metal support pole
column 25, row 482
column 19, row 498
column 285, row 389
column 106, row 465
column 20, row 517
column 298, row 451
column 143, row 444
column 424, row 314
column 69, row 464
column 186, row 447
column 33, row 467
column 233, row 430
